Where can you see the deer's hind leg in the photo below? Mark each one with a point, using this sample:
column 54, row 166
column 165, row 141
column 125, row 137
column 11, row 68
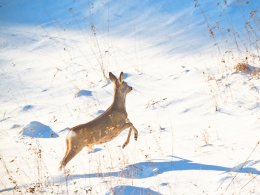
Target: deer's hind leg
column 66, row 153
column 71, row 153
column 73, row 148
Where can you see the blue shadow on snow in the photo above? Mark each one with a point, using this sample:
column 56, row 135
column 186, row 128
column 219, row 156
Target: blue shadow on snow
column 149, row 169
column 36, row 129
column 84, row 92
column 125, row 189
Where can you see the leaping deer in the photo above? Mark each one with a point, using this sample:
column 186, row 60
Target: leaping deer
column 105, row 127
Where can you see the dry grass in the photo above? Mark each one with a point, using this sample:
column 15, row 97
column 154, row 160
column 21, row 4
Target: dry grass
column 242, row 67
column 246, row 68
column 256, row 73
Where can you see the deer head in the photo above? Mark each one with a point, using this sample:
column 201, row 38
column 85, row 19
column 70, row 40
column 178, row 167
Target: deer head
column 121, row 89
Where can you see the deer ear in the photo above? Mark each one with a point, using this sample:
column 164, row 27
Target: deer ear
column 121, row 77
column 112, row 77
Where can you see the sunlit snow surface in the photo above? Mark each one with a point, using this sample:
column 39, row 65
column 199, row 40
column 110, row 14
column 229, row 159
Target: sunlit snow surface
column 198, row 119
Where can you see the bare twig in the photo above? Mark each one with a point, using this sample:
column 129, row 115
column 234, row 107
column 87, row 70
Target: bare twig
column 248, row 182
column 257, row 144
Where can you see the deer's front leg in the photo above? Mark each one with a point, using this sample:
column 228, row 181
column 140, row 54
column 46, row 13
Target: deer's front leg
column 126, row 125
column 133, row 127
column 135, row 132
column 128, row 138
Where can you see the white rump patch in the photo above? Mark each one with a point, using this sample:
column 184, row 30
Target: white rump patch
column 72, row 134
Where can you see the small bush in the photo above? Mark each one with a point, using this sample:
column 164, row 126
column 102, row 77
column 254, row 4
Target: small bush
column 241, row 67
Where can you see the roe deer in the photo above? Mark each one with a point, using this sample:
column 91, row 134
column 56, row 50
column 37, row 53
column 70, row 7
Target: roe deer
column 103, row 128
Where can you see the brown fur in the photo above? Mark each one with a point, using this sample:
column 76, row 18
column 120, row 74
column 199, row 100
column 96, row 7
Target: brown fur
column 105, row 127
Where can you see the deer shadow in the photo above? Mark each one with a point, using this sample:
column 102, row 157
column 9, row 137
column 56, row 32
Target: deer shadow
column 143, row 170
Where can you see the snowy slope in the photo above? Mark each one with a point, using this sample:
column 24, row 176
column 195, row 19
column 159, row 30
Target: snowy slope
column 198, row 119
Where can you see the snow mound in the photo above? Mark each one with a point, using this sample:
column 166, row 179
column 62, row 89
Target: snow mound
column 27, row 108
column 125, row 189
column 84, row 93
column 36, row 129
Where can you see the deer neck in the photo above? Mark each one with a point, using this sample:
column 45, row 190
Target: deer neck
column 119, row 101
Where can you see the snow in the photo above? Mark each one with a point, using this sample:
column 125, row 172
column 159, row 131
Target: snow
column 198, row 119
column 36, row 129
